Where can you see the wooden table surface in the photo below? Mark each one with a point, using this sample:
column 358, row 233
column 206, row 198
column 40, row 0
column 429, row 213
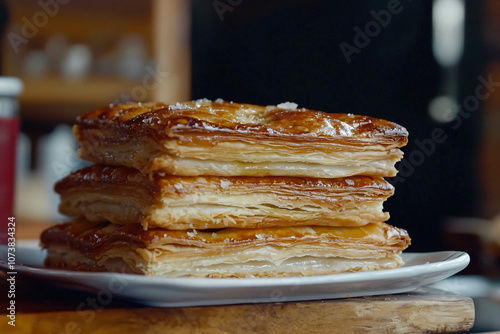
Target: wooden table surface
column 42, row 308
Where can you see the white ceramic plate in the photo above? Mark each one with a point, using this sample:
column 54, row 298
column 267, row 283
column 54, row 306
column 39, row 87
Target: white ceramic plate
column 419, row 269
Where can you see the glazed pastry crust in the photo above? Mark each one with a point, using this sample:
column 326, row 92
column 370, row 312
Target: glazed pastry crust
column 267, row 252
column 123, row 195
column 224, row 138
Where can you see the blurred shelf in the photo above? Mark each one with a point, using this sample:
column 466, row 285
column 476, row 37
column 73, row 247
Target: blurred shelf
column 163, row 25
column 54, row 98
column 91, row 90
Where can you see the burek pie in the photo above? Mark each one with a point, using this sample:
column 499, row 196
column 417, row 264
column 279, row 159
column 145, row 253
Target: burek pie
column 222, row 189
column 228, row 252
column 232, row 139
column 123, row 195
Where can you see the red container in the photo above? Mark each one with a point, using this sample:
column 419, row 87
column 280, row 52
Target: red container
column 10, row 88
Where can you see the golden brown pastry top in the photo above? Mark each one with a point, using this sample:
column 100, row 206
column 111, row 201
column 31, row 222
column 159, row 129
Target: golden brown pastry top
column 98, row 176
column 190, row 121
column 89, row 237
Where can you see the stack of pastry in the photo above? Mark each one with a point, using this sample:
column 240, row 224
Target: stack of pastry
column 220, row 189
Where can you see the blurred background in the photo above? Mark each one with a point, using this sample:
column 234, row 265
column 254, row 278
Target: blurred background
column 432, row 66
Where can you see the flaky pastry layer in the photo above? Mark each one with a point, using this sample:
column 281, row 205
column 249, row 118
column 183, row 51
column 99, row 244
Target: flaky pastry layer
column 285, row 251
column 229, row 139
column 123, row 195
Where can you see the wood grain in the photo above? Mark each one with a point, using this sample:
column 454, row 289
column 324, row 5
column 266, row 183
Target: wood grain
column 423, row 311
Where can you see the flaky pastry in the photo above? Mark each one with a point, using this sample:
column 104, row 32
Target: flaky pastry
column 228, row 139
column 263, row 252
column 123, row 195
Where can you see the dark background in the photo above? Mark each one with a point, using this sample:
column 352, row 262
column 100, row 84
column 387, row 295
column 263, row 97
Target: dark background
column 267, row 52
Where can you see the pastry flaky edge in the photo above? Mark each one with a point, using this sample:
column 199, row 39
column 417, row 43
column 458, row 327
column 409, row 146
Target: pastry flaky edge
column 123, row 195
column 265, row 252
column 223, row 138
